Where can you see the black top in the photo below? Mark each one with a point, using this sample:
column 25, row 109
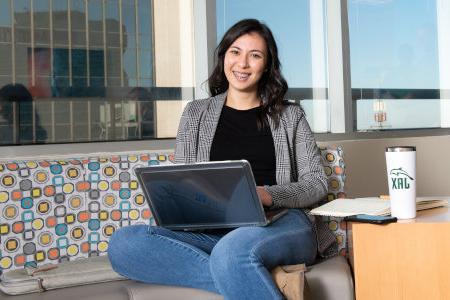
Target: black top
column 238, row 137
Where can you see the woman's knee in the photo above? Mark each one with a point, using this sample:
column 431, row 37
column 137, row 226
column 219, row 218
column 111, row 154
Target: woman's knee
column 230, row 254
column 121, row 242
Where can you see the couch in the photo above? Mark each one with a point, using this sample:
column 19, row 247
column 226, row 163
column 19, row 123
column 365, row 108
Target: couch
column 62, row 209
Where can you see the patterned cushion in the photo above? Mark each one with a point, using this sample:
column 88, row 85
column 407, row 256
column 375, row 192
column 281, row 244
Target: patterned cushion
column 58, row 210
column 38, row 204
column 114, row 192
column 334, row 166
column 52, row 211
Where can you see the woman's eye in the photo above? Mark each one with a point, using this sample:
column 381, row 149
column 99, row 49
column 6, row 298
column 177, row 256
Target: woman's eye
column 256, row 55
column 235, row 52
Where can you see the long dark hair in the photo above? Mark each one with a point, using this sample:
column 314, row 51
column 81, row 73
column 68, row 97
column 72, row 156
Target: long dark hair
column 271, row 87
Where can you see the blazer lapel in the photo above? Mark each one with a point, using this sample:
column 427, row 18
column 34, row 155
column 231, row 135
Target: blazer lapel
column 208, row 126
column 280, row 140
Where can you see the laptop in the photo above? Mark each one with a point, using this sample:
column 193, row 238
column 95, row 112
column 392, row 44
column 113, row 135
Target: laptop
column 201, row 196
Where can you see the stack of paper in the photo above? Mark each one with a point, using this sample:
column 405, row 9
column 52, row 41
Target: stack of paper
column 371, row 206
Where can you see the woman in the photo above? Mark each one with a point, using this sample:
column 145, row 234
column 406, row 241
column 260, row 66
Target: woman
column 246, row 114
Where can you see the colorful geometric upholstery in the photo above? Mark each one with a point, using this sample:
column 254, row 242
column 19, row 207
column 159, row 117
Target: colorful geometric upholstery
column 59, row 210
column 334, row 167
column 52, row 211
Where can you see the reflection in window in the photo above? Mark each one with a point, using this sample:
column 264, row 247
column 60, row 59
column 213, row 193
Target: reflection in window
column 95, row 9
column 112, row 15
column 22, row 13
column 130, row 64
column 78, row 15
column 59, row 15
column 73, row 74
column 145, row 59
column 129, row 17
column 395, row 64
column 41, row 14
column 145, row 27
column 5, row 64
column 5, row 16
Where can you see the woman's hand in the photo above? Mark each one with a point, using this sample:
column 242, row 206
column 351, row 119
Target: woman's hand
column 264, row 196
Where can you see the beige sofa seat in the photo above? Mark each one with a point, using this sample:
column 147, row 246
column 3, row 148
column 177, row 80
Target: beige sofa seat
column 330, row 279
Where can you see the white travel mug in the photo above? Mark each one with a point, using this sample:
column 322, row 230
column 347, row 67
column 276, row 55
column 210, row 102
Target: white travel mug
column 401, row 173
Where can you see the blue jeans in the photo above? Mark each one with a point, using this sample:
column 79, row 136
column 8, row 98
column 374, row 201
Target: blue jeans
column 235, row 264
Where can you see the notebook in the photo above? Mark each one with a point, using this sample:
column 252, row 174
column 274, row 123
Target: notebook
column 209, row 195
column 372, row 206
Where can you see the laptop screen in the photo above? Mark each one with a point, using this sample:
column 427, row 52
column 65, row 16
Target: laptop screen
column 207, row 197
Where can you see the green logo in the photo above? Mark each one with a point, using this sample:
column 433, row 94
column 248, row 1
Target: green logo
column 400, row 179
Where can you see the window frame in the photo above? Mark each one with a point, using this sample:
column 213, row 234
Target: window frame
column 342, row 106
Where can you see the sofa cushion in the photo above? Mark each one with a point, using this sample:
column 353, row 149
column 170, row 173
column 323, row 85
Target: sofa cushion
column 58, row 210
column 330, row 279
column 114, row 197
column 116, row 290
column 39, row 202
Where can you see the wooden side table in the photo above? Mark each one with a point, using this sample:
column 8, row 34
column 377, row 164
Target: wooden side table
column 406, row 260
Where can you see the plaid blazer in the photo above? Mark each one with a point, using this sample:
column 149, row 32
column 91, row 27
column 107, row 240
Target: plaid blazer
column 301, row 181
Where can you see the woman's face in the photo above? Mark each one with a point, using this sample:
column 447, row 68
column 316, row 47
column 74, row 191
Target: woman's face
column 245, row 62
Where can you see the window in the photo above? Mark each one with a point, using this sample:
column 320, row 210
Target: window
column 299, row 30
column 119, row 70
column 396, row 53
column 85, row 71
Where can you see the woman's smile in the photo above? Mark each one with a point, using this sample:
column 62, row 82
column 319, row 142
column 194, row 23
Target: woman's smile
column 241, row 76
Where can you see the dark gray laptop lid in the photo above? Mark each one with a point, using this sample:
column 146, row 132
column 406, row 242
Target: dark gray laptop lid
column 203, row 195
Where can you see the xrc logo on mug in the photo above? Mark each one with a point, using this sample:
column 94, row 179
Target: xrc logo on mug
column 400, row 179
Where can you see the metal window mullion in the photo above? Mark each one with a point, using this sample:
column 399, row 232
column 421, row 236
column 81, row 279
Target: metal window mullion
column 13, row 43
column 121, row 43
column 122, row 118
column 69, row 29
column 152, row 14
column 53, row 121
column 33, row 67
column 339, row 84
column 89, row 115
column 349, row 105
column 139, row 119
column 138, row 42
column 320, row 118
column 51, row 35
column 15, row 122
column 105, row 57
column 33, row 121
column 204, row 43
column 71, row 120
column 107, row 112
column 88, row 61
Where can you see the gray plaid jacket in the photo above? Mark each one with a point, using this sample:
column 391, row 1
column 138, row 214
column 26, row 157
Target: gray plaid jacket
column 301, row 181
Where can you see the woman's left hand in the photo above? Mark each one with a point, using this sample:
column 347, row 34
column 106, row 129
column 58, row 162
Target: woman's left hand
column 264, row 196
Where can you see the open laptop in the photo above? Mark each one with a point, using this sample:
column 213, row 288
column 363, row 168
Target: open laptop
column 202, row 196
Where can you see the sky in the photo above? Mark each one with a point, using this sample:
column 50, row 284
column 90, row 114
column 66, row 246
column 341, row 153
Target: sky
column 393, row 43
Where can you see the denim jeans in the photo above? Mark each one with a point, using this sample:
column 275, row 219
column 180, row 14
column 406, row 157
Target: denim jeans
column 235, row 264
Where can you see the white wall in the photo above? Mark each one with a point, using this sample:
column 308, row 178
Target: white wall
column 366, row 167
column 365, row 162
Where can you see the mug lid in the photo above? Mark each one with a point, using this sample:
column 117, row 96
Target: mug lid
column 400, row 148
